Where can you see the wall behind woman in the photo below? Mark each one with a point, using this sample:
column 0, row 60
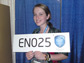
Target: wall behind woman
column 73, row 22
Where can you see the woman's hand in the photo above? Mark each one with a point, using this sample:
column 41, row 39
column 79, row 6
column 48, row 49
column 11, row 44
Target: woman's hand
column 29, row 55
column 39, row 55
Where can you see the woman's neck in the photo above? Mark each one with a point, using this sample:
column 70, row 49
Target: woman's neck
column 42, row 28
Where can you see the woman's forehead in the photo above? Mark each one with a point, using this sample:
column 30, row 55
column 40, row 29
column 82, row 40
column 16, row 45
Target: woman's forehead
column 38, row 9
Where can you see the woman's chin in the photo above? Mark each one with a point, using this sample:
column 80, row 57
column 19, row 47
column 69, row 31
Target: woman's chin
column 38, row 24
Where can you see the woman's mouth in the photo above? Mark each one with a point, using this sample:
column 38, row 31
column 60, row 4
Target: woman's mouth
column 38, row 21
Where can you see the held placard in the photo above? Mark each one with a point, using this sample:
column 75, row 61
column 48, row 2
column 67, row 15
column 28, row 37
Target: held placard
column 46, row 42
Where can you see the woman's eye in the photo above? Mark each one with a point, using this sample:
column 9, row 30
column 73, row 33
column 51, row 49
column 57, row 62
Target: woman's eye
column 38, row 14
column 34, row 14
column 41, row 14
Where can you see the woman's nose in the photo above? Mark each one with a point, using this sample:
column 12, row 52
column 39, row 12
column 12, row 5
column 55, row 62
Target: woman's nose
column 37, row 17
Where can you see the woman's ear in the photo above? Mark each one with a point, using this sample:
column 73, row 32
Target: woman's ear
column 48, row 16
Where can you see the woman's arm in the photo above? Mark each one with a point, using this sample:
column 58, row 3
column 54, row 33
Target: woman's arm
column 58, row 57
column 42, row 56
column 29, row 55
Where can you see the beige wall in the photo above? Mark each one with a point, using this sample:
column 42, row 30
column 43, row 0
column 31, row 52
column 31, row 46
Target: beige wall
column 11, row 4
column 6, row 2
column 5, row 35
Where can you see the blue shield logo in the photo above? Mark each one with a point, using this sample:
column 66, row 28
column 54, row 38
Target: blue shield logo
column 59, row 41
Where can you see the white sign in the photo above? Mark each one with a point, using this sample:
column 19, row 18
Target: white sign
column 46, row 42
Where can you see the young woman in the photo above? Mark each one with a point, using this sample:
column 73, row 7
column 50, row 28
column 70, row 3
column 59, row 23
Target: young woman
column 42, row 16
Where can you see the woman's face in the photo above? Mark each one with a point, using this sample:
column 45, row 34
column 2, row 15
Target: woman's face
column 40, row 16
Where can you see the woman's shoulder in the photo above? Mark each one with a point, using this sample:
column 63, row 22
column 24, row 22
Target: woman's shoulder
column 54, row 30
column 36, row 30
